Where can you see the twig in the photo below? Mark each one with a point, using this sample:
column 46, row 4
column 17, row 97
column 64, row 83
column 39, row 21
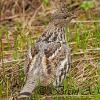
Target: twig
column 63, row 96
column 8, row 18
column 19, row 60
column 85, row 21
column 86, row 51
column 89, row 59
column 1, row 52
column 35, row 13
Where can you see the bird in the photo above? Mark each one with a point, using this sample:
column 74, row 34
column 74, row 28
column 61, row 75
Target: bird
column 48, row 61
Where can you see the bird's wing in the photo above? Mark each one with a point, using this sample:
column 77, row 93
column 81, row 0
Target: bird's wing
column 57, row 61
column 56, row 54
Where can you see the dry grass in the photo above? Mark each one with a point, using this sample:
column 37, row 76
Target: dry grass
column 21, row 23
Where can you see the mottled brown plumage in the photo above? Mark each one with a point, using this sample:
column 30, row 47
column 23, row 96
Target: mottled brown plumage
column 48, row 61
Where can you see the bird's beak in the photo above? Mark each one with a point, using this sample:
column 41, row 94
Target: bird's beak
column 73, row 16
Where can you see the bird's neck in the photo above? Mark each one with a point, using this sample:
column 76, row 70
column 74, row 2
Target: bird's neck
column 54, row 34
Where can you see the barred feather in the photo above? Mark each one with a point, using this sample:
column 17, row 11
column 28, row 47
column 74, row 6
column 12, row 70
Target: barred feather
column 48, row 61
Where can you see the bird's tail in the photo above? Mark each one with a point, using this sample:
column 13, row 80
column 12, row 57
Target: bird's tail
column 27, row 89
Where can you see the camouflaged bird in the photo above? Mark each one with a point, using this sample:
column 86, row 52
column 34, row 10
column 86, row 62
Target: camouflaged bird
column 49, row 60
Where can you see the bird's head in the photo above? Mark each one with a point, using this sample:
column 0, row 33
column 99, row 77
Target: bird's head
column 61, row 17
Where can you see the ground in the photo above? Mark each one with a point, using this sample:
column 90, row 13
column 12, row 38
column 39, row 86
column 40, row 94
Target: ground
column 22, row 22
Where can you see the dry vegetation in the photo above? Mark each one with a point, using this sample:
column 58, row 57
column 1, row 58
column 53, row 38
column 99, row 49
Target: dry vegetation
column 21, row 23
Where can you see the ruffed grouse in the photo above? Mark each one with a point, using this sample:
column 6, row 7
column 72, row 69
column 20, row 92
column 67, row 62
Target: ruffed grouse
column 49, row 60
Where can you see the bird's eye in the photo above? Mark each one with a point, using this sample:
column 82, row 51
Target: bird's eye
column 65, row 17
